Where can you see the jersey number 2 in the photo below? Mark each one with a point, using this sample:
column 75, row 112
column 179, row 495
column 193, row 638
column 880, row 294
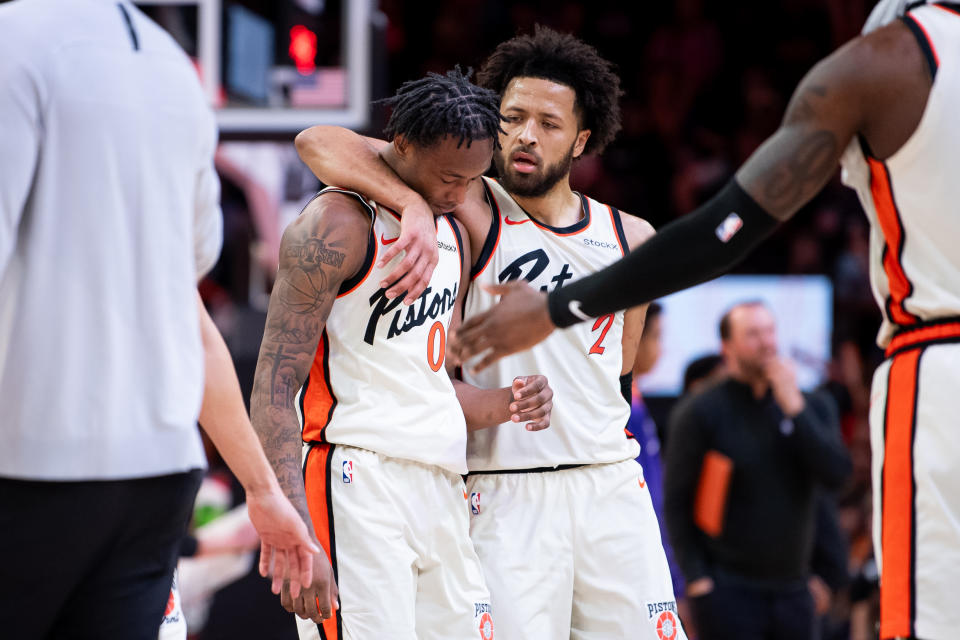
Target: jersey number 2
column 598, row 347
column 435, row 353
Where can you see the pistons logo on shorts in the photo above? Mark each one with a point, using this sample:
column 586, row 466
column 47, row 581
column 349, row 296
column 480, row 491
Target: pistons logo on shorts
column 482, row 613
column 664, row 616
column 475, row 504
column 667, row 626
column 347, row 471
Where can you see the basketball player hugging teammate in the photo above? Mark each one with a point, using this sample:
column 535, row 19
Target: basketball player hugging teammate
column 589, row 560
column 353, row 398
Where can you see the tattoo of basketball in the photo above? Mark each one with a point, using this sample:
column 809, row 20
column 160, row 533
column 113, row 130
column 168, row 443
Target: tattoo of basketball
column 303, row 291
column 803, row 171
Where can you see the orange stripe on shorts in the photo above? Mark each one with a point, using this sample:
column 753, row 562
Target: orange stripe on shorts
column 316, row 480
column 898, row 526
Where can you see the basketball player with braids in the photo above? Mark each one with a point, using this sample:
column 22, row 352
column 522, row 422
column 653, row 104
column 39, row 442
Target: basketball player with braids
column 555, row 517
column 380, row 482
column 885, row 107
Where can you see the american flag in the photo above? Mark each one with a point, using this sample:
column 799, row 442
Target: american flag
column 325, row 87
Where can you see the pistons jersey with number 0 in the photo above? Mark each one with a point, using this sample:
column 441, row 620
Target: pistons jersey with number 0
column 582, row 363
column 378, row 380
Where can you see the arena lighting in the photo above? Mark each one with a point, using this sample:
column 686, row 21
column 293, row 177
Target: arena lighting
column 303, row 48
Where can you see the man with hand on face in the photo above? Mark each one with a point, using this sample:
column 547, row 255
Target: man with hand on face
column 574, row 491
column 385, row 428
column 748, row 578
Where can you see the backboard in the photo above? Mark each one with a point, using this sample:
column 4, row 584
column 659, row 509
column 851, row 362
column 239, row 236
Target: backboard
column 274, row 67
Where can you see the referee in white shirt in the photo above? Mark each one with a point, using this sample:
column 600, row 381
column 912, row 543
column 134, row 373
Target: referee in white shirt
column 108, row 216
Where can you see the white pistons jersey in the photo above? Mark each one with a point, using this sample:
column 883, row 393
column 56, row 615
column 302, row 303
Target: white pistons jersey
column 378, row 380
column 911, row 198
column 582, row 363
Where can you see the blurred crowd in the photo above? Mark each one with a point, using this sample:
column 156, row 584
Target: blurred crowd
column 704, row 83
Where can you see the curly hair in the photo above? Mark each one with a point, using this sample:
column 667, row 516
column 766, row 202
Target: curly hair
column 564, row 59
column 426, row 110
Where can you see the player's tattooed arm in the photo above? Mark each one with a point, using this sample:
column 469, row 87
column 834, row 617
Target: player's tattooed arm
column 875, row 85
column 339, row 156
column 323, row 247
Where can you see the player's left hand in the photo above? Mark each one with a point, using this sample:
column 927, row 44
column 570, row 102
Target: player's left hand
column 418, row 239
column 319, row 600
column 532, row 402
column 286, row 550
column 519, row 321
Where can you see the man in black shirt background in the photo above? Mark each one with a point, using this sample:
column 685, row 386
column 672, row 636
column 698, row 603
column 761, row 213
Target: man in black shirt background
column 748, row 579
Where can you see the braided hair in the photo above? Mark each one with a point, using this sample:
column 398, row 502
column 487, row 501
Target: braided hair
column 564, row 59
column 428, row 109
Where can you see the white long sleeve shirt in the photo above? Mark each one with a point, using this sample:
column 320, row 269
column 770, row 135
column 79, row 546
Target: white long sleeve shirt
column 108, row 215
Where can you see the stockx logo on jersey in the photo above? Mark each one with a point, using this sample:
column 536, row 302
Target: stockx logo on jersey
column 530, row 265
column 429, row 306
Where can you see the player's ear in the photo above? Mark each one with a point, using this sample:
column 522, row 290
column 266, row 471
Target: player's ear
column 401, row 145
column 581, row 142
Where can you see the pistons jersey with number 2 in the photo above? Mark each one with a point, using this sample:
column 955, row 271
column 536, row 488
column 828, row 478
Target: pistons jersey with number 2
column 582, row 363
column 378, row 380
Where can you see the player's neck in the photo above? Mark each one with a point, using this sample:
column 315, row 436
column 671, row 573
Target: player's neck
column 389, row 156
column 560, row 207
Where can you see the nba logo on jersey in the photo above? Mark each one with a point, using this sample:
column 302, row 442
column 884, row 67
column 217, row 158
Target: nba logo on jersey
column 347, row 471
column 475, row 503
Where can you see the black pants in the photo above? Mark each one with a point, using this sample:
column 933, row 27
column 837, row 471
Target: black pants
column 90, row 559
column 742, row 612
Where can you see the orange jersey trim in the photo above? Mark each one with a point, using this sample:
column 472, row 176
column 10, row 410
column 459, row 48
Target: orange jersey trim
column 613, row 219
column 562, row 234
column 456, row 236
column 318, row 401
column 892, row 227
column 898, row 492
column 316, row 480
column 926, row 34
column 948, row 9
column 947, row 331
column 500, row 218
column 373, row 262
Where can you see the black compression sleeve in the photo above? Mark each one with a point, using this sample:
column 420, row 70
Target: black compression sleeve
column 698, row 247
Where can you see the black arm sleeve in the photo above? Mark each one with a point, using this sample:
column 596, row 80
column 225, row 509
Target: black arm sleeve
column 696, row 248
